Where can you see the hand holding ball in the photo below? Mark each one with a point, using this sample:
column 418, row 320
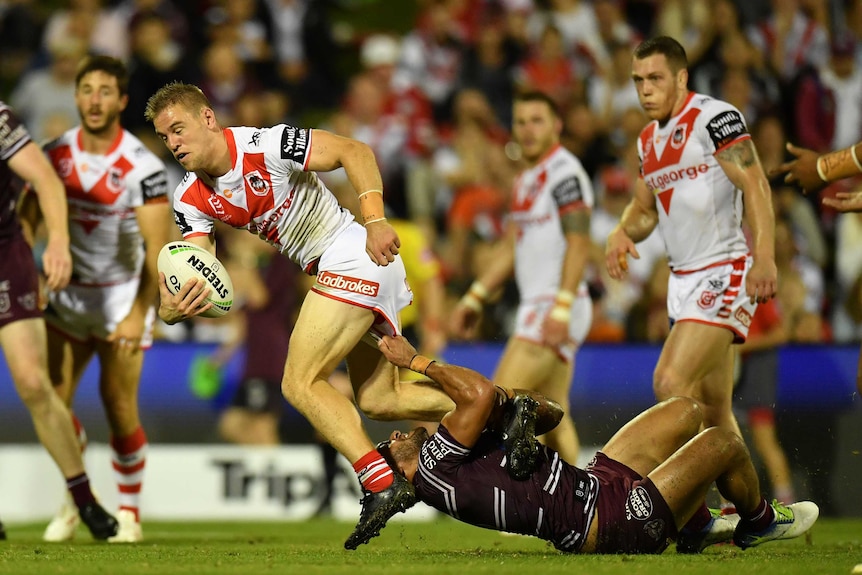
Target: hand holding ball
column 182, row 261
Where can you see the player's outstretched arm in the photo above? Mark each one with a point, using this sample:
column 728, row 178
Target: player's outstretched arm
column 638, row 221
column 811, row 170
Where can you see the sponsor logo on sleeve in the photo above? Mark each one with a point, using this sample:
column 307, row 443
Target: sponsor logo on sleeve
column 725, row 128
column 155, row 186
column 180, row 220
column 294, row 144
column 568, row 191
column 638, row 504
column 347, row 283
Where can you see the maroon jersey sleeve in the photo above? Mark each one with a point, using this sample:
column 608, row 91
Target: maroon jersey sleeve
column 13, row 134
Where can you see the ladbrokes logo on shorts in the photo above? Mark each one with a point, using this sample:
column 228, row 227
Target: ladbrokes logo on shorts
column 347, row 283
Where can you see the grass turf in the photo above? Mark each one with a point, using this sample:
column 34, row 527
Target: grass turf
column 439, row 547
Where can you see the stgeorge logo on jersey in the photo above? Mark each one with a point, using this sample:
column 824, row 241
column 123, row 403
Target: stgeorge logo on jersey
column 258, row 185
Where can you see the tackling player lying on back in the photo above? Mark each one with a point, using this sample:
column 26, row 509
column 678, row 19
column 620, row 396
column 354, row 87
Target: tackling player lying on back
column 644, row 489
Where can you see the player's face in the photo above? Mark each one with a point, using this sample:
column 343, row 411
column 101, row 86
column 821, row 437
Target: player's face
column 405, row 446
column 535, row 128
column 99, row 102
column 659, row 88
column 186, row 134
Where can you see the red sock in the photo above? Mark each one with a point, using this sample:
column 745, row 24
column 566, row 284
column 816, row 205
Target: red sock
column 374, row 473
column 129, row 457
column 699, row 520
column 761, row 517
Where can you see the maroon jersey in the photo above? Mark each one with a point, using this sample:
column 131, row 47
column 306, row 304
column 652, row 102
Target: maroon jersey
column 557, row 503
column 13, row 137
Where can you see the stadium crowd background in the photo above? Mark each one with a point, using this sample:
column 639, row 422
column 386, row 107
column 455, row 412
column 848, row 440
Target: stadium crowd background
column 428, row 85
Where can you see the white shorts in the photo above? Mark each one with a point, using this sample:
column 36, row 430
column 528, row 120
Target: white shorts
column 713, row 296
column 346, row 273
column 88, row 312
column 531, row 315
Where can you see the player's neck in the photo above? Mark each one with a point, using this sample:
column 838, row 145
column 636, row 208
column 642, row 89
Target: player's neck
column 538, row 159
column 100, row 142
column 681, row 100
column 223, row 159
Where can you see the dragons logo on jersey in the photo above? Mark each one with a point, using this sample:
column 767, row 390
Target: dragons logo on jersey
column 258, row 185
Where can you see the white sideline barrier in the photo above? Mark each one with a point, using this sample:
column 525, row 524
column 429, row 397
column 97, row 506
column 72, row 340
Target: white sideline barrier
column 191, row 482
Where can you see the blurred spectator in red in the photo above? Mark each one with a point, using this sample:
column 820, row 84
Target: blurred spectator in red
column 828, row 109
column 405, row 109
column 549, row 69
column 100, row 28
column 790, row 39
column 156, row 59
column 432, row 56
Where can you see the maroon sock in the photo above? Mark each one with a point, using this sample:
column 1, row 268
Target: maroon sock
column 761, row 517
column 79, row 487
column 699, row 520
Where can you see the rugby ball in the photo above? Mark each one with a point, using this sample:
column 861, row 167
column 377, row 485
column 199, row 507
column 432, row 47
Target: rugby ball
column 182, row 261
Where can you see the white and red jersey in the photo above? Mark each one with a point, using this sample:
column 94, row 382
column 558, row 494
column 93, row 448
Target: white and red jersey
column 699, row 208
column 557, row 184
column 268, row 192
column 103, row 191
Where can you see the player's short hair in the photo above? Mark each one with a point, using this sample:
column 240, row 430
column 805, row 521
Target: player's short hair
column 672, row 50
column 176, row 93
column 538, row 96
column 108, row 65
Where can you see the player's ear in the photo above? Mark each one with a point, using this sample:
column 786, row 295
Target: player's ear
column 682, row 79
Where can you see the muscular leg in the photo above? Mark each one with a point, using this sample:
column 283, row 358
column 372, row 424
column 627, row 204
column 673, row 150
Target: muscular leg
column 697, row 362
column 527, row 365
column 381, row 395
column 24, row 345
column 325, row 332
column 67, row 360
column 118, row 385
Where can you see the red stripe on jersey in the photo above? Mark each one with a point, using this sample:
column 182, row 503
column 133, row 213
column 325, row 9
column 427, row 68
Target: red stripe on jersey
column 231, row 145
column 114, row 145
column 307, row 152
column 64, row 165
column 576, row 206
column 204, row 198
column 670, row 154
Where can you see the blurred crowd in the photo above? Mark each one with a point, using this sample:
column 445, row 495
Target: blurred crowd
column 433, row 99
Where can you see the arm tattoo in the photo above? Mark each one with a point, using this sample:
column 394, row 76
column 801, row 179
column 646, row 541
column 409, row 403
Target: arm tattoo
column 576, row 221
column 742, row 154
column 835, row 161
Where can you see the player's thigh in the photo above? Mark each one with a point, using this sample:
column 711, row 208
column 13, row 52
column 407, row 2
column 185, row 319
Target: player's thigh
column 368, row 370
column 24, row 347
column 326, row 330
column 690, row 353
column 120, row 372
column 651, row 437
column 524, row 364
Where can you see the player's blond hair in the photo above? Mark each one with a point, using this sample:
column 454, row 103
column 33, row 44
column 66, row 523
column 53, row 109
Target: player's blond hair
column 188, row 96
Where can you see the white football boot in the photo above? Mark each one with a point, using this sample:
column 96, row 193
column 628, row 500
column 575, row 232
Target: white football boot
column 130, row 529
column 65, row 523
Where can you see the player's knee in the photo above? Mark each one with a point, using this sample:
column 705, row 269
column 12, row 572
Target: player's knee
column 34, row 390
column 725, row 443
column 687, row 411
column 665, row 383
column 377, row 406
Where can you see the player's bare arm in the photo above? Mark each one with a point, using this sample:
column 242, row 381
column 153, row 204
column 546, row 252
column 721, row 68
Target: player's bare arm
column 576, row 228
column 465, row 317
column 811, row 171
column 154, row 221
column 191, row 300
column 31, row 165
column 474, row 395
column 329, row 152
column 638, row 221
column 742, row 166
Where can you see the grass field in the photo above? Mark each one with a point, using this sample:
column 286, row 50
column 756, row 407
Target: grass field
column 441, row 547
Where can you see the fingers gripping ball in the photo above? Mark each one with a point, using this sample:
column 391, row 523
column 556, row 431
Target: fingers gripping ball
column 182, row 261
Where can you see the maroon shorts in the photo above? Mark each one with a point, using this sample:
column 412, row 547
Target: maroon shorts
column 19, row 282
column 633, row 516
